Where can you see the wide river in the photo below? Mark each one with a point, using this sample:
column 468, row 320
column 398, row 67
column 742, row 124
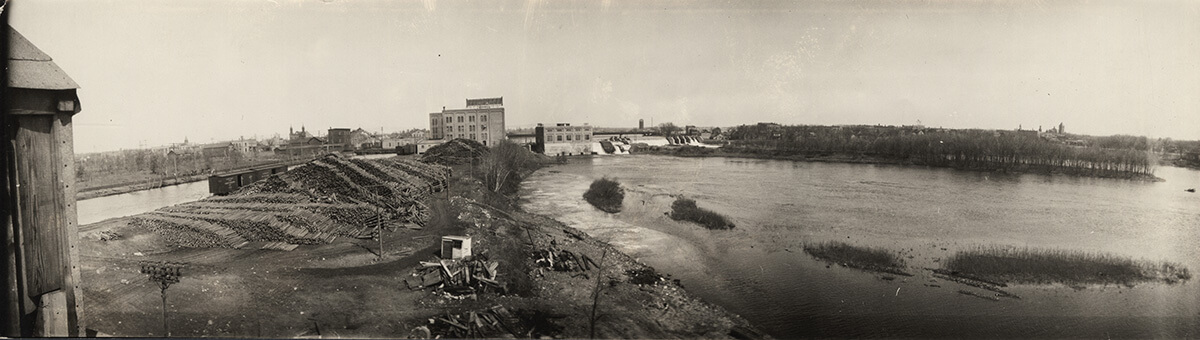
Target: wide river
column 760, row 271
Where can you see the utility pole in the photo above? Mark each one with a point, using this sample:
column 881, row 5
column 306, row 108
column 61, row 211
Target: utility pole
column 379, row 231
column 164, row 273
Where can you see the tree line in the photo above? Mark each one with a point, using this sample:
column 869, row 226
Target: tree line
column 1116, row 156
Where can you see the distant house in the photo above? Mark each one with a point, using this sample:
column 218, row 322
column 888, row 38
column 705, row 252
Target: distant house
column 215, row 150
column 245, row 145
column 392, row 143
column 424, row 145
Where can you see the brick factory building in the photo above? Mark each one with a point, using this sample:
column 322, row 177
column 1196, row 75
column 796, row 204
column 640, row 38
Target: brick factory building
column 482, row 120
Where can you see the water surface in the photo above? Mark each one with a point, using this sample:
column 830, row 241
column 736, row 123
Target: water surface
column 924, row 214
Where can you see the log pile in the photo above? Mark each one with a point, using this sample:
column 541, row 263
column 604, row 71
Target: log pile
column 457, row 151
column 311, row 204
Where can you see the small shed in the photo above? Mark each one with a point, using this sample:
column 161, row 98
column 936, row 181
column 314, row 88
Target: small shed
column 456, row 247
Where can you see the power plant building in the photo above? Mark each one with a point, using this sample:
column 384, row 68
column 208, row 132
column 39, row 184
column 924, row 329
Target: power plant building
column 564, row 139
column 482, row 121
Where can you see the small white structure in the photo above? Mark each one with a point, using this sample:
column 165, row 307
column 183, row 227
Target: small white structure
column 456, row 247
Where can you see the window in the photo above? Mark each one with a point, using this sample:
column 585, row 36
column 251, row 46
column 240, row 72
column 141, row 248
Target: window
column 483, row 118
column 472, row 136
column 568, row 137
column 559, row 138
column 448, row 119
column 460, row 128
column 472, row 128
column 433, row 122
column 588, row 137
column 471, row 118
column 482, row 127
column 460, row 119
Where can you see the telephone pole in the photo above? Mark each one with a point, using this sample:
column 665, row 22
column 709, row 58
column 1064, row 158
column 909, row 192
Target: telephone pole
column 164, row 273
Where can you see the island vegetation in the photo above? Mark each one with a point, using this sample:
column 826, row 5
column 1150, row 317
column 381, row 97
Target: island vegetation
column 685, row 209
column 1043, row 266
column 865, row 258
column 1119, row 156
column 605, row 194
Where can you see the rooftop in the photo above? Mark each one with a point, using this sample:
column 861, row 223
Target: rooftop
column 30, row 68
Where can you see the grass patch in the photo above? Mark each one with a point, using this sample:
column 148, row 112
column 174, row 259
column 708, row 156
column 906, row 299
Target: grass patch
column 1025, row 265
column 684, row 209
column 866, row 258
column 605, row 194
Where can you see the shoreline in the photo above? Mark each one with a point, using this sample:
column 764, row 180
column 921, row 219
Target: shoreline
column 124, row 188
column 635, row 301
column 862, row 159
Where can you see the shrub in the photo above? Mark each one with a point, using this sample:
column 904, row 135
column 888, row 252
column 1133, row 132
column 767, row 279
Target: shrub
column 605, row 194
column 684, row 209
column 1025, row 265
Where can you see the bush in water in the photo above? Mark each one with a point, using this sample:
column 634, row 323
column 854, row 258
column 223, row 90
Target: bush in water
column 605, row 194
column 686, row 210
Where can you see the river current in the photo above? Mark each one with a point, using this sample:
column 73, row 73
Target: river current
column 760, row 271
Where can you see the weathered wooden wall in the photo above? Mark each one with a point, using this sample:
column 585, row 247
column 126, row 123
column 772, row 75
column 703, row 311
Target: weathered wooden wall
column 43, row 227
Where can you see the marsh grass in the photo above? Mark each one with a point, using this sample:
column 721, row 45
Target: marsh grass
column 686, row 210
column 1026, row 265
column 866, row 258
column 605, row 194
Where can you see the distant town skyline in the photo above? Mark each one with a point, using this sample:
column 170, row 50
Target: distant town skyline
column 155, row 72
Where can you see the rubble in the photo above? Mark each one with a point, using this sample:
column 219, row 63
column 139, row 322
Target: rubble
column 494, row 322
column 458, row 278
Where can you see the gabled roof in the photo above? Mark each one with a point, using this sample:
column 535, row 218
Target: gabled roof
column 30, row 68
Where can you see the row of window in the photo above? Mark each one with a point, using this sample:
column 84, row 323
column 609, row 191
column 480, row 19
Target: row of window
column 585, row 137
column 575, row 129
column 460, row 128
column 460, row 119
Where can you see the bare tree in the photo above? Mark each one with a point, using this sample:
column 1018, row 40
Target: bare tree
column 504, row 163
column 668, row 129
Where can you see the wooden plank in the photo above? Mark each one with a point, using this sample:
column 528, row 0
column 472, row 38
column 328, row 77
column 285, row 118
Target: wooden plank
column 43, row 234
column 65, row 150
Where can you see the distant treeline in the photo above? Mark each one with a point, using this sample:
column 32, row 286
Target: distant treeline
column 1115, row 156
column 99, row 169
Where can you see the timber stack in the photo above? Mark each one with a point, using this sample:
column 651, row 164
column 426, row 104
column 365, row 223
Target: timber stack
column 312, row 204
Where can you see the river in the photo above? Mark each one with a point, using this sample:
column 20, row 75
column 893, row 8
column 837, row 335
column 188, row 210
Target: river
column 760, row 271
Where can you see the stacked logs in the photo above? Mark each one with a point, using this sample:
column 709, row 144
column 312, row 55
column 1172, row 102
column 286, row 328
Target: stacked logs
column 329, row 196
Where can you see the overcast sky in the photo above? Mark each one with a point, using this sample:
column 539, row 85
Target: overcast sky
column 153, row 72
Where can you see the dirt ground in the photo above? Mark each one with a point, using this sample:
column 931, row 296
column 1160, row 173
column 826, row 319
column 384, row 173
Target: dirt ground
column 343, row 290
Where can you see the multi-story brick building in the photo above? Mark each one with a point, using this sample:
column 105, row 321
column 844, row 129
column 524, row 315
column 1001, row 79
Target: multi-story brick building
column 482, row 120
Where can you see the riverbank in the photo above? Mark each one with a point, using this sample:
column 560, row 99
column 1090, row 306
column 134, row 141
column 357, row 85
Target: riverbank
column 339, row 289
column 689, row 151
column 95, row 190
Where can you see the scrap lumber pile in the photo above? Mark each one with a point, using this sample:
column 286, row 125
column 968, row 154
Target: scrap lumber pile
column 457, row 151
column 495, row 322
column 458, row 278
column 563, row 260
column 311, row 204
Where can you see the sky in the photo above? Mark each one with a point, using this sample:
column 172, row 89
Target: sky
column 155, row 72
